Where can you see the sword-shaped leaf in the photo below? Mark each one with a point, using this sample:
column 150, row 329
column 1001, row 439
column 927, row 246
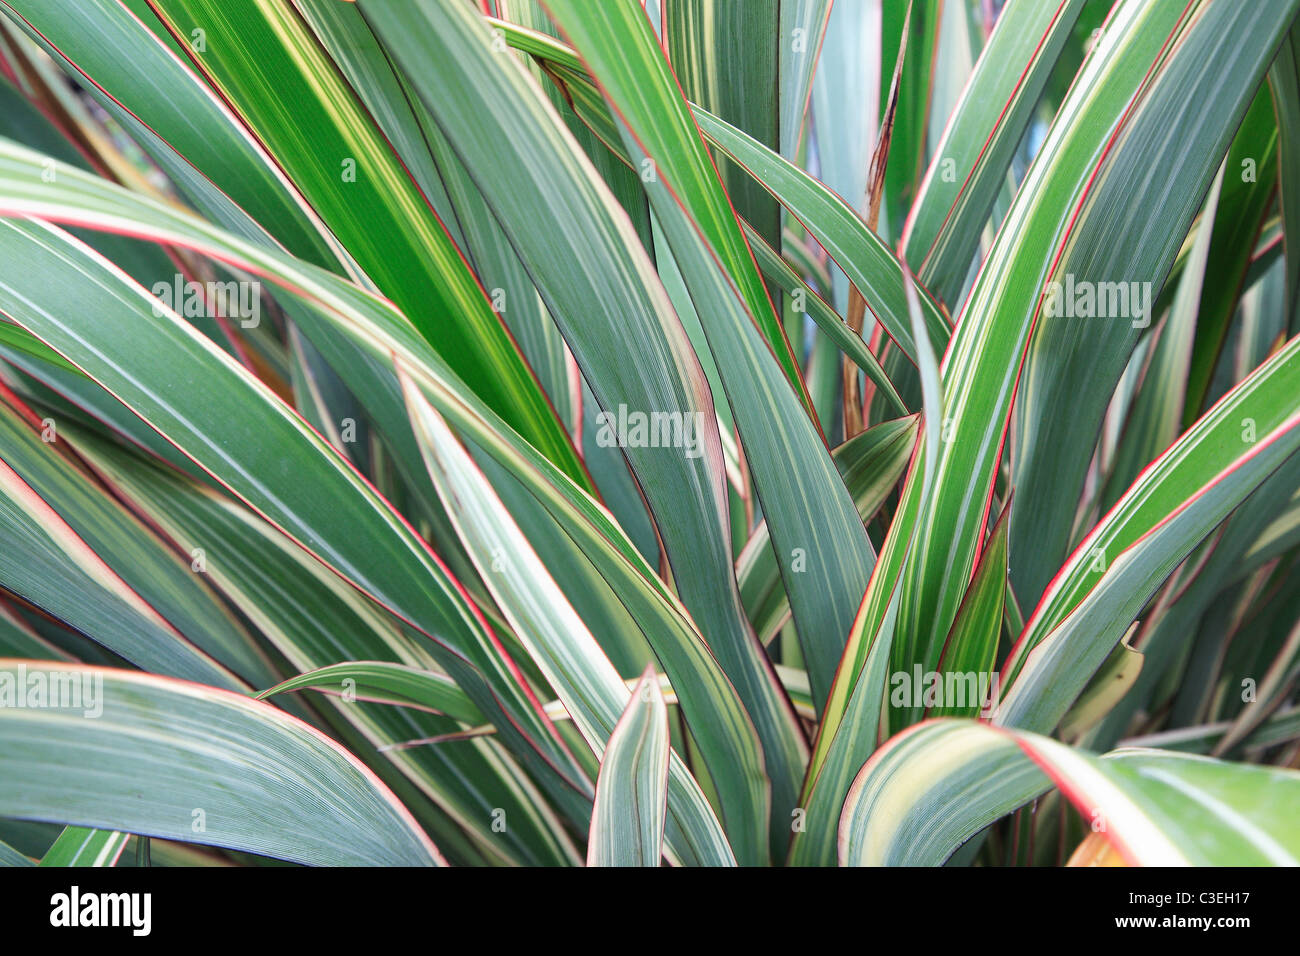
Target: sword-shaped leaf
column 938, row 784
column 182, row 761
column 627, row 818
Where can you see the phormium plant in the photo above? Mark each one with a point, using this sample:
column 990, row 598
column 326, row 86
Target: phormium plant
column 715, row 432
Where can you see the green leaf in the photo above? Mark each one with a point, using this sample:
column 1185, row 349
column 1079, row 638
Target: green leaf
column 627, row 819
column 908, row 151
column 80, row 846
column 386, row 682
column 372, row 325
column 1284, row 79
column 726, row 58
column 803, row 28
column 418, row 143
column 938, row 784
column 11, row 857
column 944, row 780
column 709, row 702
column 186, row 762
column 865, row 258
column 971, row 648
column 24, row 341
column 17, row 639
column 1113, row 680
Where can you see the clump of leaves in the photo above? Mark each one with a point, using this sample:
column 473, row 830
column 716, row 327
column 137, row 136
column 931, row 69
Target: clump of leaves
column 548, row 432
